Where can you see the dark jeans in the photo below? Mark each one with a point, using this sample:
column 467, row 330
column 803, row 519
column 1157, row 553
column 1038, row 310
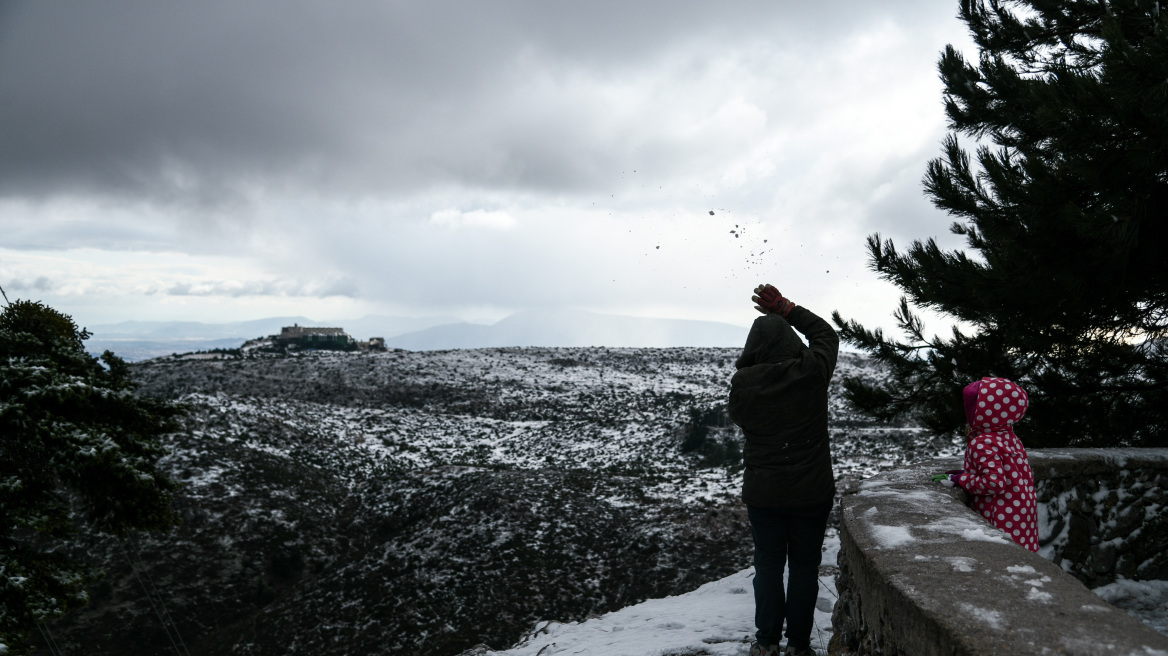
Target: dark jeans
column 783, row 535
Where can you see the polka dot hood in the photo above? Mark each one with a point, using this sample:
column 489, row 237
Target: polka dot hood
column 997, row 471
column 994, row 404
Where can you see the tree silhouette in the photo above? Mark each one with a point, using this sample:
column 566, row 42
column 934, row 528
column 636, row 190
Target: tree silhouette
column 1063, row 285
column 77, row 453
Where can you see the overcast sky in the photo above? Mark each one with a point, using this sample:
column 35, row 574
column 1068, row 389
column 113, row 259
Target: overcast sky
column 219, row 161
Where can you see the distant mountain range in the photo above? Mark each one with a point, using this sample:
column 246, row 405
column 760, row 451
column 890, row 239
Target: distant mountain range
column 562, row 327
column 141, row 340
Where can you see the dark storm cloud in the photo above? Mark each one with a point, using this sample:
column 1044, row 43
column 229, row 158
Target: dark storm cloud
column 189, row 102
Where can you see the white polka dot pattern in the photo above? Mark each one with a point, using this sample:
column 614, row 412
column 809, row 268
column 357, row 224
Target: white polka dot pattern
column 997, row 471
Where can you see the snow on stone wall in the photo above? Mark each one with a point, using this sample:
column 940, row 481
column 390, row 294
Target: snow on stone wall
column 914, row 581
column 1100, row 514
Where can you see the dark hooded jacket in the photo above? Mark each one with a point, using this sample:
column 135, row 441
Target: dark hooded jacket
column 779, row 399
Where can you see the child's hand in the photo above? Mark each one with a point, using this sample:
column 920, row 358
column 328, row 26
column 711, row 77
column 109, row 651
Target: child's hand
column 948, row 479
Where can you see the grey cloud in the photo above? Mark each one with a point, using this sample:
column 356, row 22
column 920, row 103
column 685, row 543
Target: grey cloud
column 204, row 102
column 75, row 221
column 39, row 284
column 905, row 212
column 346, row 287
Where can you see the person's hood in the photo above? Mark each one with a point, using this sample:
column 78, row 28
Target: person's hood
column 994, row 404
column 771, row 340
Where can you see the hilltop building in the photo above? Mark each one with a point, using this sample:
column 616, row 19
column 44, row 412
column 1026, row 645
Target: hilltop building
column 315, row 336
column 325, row 338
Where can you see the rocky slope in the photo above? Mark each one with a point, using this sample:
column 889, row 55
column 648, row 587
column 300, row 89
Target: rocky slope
column 421, row 503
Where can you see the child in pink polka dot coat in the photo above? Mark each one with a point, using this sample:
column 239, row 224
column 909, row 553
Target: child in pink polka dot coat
column 997, row 472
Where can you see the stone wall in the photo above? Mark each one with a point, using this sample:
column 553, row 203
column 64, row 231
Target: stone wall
column 920, row 573
column 1102, row 512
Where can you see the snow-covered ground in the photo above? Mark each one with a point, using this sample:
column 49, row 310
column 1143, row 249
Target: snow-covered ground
column 1147, row 601
column 717, row 619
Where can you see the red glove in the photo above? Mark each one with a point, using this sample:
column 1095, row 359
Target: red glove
column 770, row 301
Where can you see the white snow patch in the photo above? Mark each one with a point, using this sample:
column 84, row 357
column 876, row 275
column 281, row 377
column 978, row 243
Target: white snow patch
column 1038, row 595
column 716, row 619
column 982, row 535
column 1049, row 514
column 891, row 537
column 962, row 563
column 1147, row 601
column 968, row 529
column 886, row 537
column 831, row 547
column 990, row 618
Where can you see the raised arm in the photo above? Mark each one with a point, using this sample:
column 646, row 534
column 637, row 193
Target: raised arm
column 821, row 337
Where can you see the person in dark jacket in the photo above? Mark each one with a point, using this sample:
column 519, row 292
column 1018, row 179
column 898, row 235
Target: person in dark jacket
column 779, row 398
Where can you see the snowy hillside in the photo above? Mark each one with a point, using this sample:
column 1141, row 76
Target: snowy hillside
column 424, row 503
